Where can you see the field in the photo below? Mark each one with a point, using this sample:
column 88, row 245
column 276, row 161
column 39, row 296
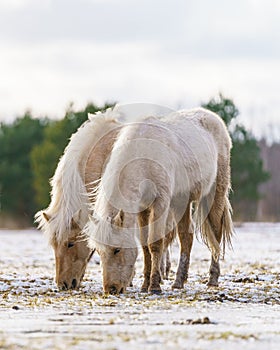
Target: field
column 244, row 312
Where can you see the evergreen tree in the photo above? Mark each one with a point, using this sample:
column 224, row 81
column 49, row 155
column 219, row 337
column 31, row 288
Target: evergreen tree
column 16, row 177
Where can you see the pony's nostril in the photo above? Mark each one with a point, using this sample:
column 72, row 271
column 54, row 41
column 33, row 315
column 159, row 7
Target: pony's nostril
column 74, row 283
column 113, row 290
column 64, row 286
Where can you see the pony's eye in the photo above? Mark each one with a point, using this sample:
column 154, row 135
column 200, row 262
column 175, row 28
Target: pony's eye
column 116, row 251
column 70, row 245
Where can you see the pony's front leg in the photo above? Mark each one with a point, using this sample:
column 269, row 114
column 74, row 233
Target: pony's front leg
column 155, row 249
column 157, row 227
column 186, row 240
column 143, row 221
column 147, row 269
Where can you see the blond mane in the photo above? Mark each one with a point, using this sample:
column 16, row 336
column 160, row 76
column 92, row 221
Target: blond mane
column 68, row 194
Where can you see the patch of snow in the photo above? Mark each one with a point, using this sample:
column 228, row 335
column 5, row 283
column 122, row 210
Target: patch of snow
column 244, row 311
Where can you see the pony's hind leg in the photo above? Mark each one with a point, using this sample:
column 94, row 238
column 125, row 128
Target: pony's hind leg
column 186, row 240
column 214, row 221
column 165, row 266
column 220, row 222
column 143, row 221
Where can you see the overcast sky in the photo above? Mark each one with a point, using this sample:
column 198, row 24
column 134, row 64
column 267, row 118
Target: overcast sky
column 178, row 53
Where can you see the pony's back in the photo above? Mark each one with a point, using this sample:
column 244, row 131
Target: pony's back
column 163, row 156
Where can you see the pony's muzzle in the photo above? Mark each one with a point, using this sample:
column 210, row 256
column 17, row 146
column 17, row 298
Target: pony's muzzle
column 71, row 285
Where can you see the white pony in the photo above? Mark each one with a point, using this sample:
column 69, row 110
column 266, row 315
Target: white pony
column 76, row 175
column 157, row 169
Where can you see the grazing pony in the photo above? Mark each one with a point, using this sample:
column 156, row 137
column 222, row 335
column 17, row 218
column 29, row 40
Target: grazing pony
column 157, row 169
column 76, row 175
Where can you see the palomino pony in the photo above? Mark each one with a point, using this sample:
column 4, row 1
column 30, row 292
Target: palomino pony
column 76, row 175
column 157, row 169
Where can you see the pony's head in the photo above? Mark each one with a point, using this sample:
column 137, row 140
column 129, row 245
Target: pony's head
column 117, row 249
column 72, row 253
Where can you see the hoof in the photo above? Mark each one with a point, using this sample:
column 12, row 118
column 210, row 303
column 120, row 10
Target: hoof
column 144, row 290
column 212, row 284
column 155, row 291
column 177, row 285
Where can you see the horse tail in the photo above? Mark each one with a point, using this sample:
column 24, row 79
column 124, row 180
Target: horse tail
column 216, row 226
column 227, row 226
column 209, row 238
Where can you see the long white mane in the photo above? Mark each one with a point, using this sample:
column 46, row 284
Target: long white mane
column 68, row 194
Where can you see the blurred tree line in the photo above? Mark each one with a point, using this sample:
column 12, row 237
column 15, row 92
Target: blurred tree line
column 30, row 149
column 247, row 169
column 268, row 207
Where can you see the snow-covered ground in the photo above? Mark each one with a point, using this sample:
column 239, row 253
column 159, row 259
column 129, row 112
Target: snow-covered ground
column 244, row 312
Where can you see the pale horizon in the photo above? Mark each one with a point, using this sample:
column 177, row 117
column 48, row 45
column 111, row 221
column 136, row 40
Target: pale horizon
column 178, row 54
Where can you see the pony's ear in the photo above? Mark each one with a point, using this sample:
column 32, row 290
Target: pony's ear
column 76, row 219
column 46, row 216
column 93, row 116
column 118, row 219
